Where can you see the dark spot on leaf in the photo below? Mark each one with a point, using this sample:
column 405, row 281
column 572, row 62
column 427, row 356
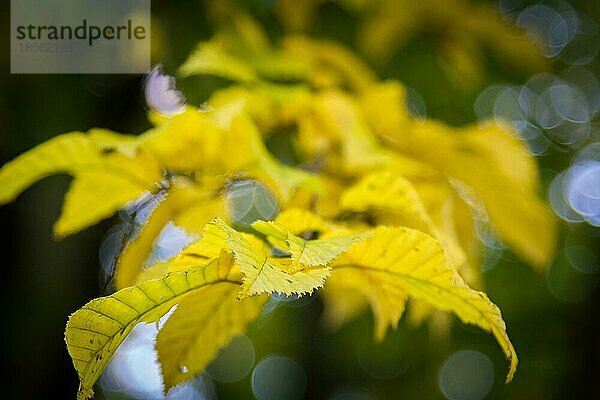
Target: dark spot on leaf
column 309, row 235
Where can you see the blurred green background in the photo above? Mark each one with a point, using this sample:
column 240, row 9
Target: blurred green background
column 553, row 320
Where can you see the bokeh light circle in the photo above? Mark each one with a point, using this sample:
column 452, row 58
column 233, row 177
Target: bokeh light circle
column 278, row 377
column 249, row 200
column 233, row 361
column 466, row 375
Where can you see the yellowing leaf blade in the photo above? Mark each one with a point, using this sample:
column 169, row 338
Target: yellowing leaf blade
column 99, row 193
column 391, row 193
column 264, row 274
column 320, row 251
column 203, row 322
column 306, row 253
column 92, row 197
column 131, row 262
column 188, row 141
column 299, row 221
column 210, row 58
column 94, row 332
column 415, row 263
column 62, row 154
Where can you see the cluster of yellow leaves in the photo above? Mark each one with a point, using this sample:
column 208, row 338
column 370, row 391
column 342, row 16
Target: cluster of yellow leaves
column 462, row 31
column 378, row 208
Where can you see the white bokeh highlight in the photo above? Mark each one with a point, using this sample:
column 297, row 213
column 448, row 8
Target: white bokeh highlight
column 161, row 93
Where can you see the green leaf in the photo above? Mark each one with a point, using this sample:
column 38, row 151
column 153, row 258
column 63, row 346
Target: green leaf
column 95, row 331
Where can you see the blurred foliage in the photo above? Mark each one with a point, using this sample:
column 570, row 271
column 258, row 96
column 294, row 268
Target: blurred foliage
column 556, row 337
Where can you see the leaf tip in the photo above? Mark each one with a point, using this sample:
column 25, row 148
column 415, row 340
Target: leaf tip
column 84, row 393
column 514, row 360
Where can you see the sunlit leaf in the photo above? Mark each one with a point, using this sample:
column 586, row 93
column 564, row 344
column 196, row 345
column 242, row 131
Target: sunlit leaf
column 399, row 262
column 312, row 253
column 323, row 54
column 95, row 331
column 185, row 142
column 392, row 196
column 299, row 221
column 282, row 178
column 82, row 207
column 98, row 194
column 203, row 322
column 507, row 188
column 266, row 274
column 62, row 154
column 105, row 178
column 132, row 261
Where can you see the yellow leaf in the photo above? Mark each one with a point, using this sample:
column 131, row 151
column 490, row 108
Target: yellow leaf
column 508, row 188
column 504, row 175
column 323, row 54
column 97, row 194
column 210, row 246
column 63, row 154
column 195, row 216
column 211, row 58
column 504, row 151
column 383, row 107
column 105, row 178
column 283, row 179
column 131, row 262
column 342, row 306
column 348, row 291
column 393, row 197
column 266, row 274
column 185, row 142
column 394, row 200
column 92, row 197
column 311, row 253
column 299, row 221
column 399, row 262
column 360, row 148
column 203, row 322
column 109, row 140
column 95, row 331
column 392, row 23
